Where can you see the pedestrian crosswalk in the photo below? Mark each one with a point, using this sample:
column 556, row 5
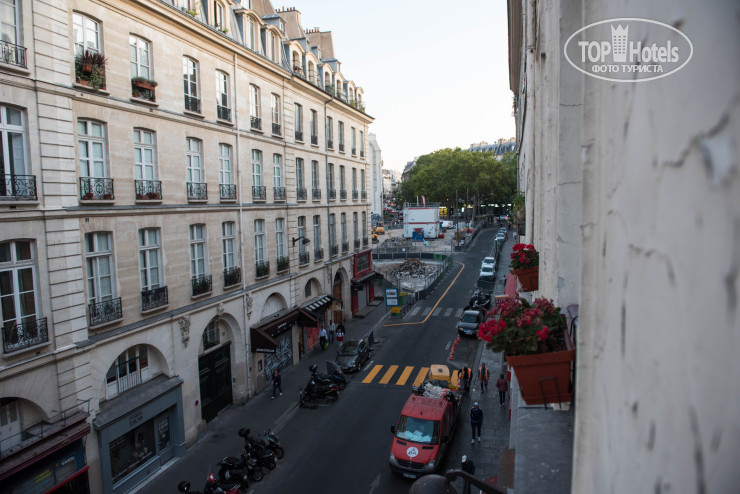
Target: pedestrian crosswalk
column 399, row 376
column 438, row 312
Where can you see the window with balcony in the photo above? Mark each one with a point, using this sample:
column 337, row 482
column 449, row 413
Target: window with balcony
column 19, row 311
column 298, row 122
column 283, row 262
column 89, row 58
column 262, row 266
column 277, row 178
column 223, row 101
column 300, row 180
column 329, row 133
column 200, row 279
column 196, row 181
column 364, row 228
column 315, row 187
column 13, row 52
column 356, row 231
column 232, row 273
column 317, row 231
column 354, row 184
column 303, row 257
column 86, row 33
column 342, row 183
column 362, row 185
column 15, row 183
column 255, row 111
column 226, row 185
column 129, row 370
column 190, row 84
column 333, row 235
column 340, row 131
column 343, row 229
column 145, row 166
column 103, row 305
column 331, row 192
column 91, row 145
column 142, row 81
column 258, row 190
column 353, row 141
column 362, row 144
column 153, row 292
column 276, row 114
column 314, row 128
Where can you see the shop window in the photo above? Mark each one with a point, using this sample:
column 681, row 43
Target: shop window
column 132, row 449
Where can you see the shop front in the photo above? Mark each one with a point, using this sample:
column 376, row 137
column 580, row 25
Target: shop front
column 56, row 463
column 363, row 289
column 317, row 308
column 140, row 431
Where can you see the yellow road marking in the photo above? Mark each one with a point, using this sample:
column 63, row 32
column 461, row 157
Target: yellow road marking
column 435, row 305
column 372, row 374
column 405, row 375
column 421, row 376
column 388, row 374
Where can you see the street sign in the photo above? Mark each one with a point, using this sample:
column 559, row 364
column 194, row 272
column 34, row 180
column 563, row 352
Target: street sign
column 391, row 297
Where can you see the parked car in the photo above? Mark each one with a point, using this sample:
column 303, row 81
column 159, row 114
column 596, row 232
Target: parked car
column 469, row 322
column 488, row 261
column 487, row 273
column 352, row 355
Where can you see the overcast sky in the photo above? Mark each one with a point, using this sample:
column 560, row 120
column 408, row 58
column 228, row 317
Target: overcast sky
column 435, row 73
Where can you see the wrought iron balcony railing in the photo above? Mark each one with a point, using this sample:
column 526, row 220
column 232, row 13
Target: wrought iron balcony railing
column 364, row 241
column 357, row 243
column 197, row 191
column 316, row 194
column 362, row 154
column 259, row 193
column 278, row 193
column 262, row 268
column 315, row 140
column 96, row 189
column 18, row 187
column 201, row 284
column 232, row 276
column 223, row 113
column 300, row 193
column 150, row 190
column 332, row 194
column 105, row 311
column 354, row 151
column 29, row 333
column 13, row 54
column 192, row 103
column 276, row 129
column 283, row 263
column 364, row 195
column 227, row 192
column 330, row 144
column 343, row 194
column 355, row 195
column 334, row 249
column 303, row 258
column 298, row 135
column 318, row 254
column 255, row 123
column 156, row 297
column 341, row 147
column 345, row 246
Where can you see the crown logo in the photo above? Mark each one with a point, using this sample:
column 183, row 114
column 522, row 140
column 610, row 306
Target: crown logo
column 619, row 43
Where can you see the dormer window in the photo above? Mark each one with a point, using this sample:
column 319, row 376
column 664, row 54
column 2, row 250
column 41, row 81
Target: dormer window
column 218, row 19
column 282, row 26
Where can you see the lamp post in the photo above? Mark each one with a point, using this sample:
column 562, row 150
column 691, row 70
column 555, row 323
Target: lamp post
column 303, row 239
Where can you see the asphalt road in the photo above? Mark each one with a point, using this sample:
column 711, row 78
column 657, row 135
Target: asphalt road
column 343, row 447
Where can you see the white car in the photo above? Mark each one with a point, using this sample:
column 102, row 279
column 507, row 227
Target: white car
column 488, row 261
column 486, row 273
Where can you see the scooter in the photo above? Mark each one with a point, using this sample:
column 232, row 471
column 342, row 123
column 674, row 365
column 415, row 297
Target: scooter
column 233, row 467
column 272, row 442
column 317, row 390
column 334, row 375
column 211, row 487
column 264, row 456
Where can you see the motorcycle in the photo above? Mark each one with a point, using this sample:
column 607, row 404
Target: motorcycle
column 273, row 443
column 212, row 487
column 481, row 300
column 264, row 456
column 239, row 468
column 317, row 389
column 334, row 375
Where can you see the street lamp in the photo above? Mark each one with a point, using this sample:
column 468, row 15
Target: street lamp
column 303, row 240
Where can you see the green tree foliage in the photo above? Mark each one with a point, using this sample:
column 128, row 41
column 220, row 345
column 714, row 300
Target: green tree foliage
column 443, row 175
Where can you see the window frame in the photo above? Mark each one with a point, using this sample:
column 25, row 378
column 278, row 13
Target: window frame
column 228, row 249
column 140, row 165
column 146, row 250
column 90, row 140
column 135, row 51
column 225, row 169
column 82, row 42
column 280, row 248
column 256, row 167
column 194, row 160
column 93, row 259
column 198, row 260
column 15, row 267
column 259, row 241
column 8, row 149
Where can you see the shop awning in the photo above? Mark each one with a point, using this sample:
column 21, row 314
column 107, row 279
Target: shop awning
column 316, row 305
column 265, row 332
column 365, row 278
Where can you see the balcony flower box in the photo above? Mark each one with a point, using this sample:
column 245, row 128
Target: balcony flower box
column 525, row 264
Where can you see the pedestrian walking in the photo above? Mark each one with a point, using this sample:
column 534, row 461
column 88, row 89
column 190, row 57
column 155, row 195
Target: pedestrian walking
column 465, row 376
column 277, row 381
column 468, row 467
column 476, row 421
column 483, row 376
column 340, row 335
column 503, row 387
column 332, row 331
column 322, row 338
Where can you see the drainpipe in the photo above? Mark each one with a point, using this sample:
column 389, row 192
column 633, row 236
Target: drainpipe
column 247, row 336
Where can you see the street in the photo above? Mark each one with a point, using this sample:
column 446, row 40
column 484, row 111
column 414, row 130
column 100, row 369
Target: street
column 344, row 446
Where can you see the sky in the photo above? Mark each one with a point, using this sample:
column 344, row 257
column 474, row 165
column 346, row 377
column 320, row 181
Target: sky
column 435, row 73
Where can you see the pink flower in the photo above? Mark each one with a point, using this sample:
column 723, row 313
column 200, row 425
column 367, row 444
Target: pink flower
column 543, row 333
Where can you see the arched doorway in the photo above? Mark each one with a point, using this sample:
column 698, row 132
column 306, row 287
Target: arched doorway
column 214, row 371
column 283, row 356
column 336, row 292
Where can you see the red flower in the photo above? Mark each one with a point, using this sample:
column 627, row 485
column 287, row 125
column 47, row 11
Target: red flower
column 543, row 333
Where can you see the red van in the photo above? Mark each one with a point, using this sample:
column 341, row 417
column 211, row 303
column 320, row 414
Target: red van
column 423, row 434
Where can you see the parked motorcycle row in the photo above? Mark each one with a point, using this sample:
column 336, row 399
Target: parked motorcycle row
column 235, row 472
column 322, row 388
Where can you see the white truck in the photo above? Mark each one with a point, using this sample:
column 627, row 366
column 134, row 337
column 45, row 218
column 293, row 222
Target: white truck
column 421, row 218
